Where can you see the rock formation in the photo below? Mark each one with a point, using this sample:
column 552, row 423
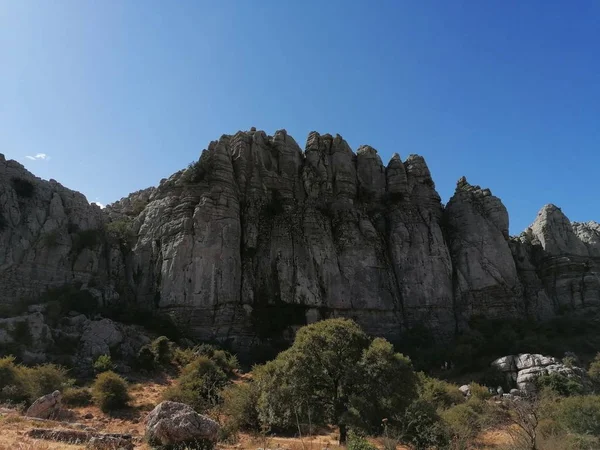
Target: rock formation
column 47, row 407
column 173, row 424
column 522, row 370
column 259, row 237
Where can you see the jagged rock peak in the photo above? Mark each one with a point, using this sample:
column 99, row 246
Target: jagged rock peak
column 555, row 233
column 463, row 185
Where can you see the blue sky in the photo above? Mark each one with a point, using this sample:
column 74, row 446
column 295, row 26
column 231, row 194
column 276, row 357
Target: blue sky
column 119, row 94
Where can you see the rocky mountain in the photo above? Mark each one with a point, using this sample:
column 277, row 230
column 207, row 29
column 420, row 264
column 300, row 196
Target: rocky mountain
column 259, row 237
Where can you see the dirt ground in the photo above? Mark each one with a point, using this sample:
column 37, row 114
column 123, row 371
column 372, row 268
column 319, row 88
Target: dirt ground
column 145, row 395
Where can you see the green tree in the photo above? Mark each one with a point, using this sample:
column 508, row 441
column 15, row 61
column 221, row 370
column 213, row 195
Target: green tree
column 594, row 371
column 331, row 372
column 199, row 385
column 110, row 392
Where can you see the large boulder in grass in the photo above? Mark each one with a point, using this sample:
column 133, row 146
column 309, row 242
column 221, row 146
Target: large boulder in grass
column 46, row 407
column 172, row 423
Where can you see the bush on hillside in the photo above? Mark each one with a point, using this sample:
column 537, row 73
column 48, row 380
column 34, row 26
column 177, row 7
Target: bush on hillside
column 146, row 359
column 559, row 384
column 74, row 396
column 226, row 361
column 479, row 392
column 439, row 393
column 594, row 371
column 162, row 348
column 357, row 441
column 421, row 427
column 239, row 406
column 467, row 420
column 45, row 379
column 199, row 385
column 103, row 364
column 13, row 383
column 183, row 356
column 580, row 414
column 110, row 392
column 26, row 384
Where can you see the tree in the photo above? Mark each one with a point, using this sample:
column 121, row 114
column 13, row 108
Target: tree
column 525, row 417
column 331, row 372
column 594, row 371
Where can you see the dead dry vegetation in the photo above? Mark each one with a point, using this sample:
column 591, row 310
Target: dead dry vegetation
column 334, row 388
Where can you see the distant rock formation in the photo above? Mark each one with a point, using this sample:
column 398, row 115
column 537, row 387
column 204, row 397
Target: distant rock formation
column 258, row 238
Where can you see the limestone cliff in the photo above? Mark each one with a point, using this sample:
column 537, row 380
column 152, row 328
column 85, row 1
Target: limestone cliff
column 259, row 237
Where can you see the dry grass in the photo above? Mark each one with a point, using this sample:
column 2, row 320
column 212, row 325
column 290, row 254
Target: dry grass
column 147, row 393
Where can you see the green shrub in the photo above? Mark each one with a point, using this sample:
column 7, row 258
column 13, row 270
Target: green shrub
column 438, row 392
column 569, row 361
column 560, row 384
column 13, row 381
column 594, row 371
column 110, row 392
column 182, row 357
column 162, row 348
column 24, row 188
column 45, row 379
column 146, row 359
column 239, row 406
column 226, row 361
column 479, row 392
column 77, row 396
column 422, row 427
column 580, row 414
column 465, row 421
column 357, row 441
column 120, row 230
column 103, row 364
column 198, row 170
column 199, row 385
column 205, row 350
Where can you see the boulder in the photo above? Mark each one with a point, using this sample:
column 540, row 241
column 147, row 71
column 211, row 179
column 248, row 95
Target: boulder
column 465, row 389
column 99, row 336
column 505, row 364
column 46, row 407
column 527, row 360
column 172, row 423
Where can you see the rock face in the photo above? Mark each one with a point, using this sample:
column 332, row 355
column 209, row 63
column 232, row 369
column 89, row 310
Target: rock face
column 46, row 407
column 259, row 237
column 485, row 274
column 172, row 423
column 522, row 370
column 49, row 236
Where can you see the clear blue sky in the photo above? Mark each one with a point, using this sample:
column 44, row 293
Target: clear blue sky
column 119, row 94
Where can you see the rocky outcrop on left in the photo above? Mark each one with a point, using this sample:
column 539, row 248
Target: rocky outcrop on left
column 49, row 236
